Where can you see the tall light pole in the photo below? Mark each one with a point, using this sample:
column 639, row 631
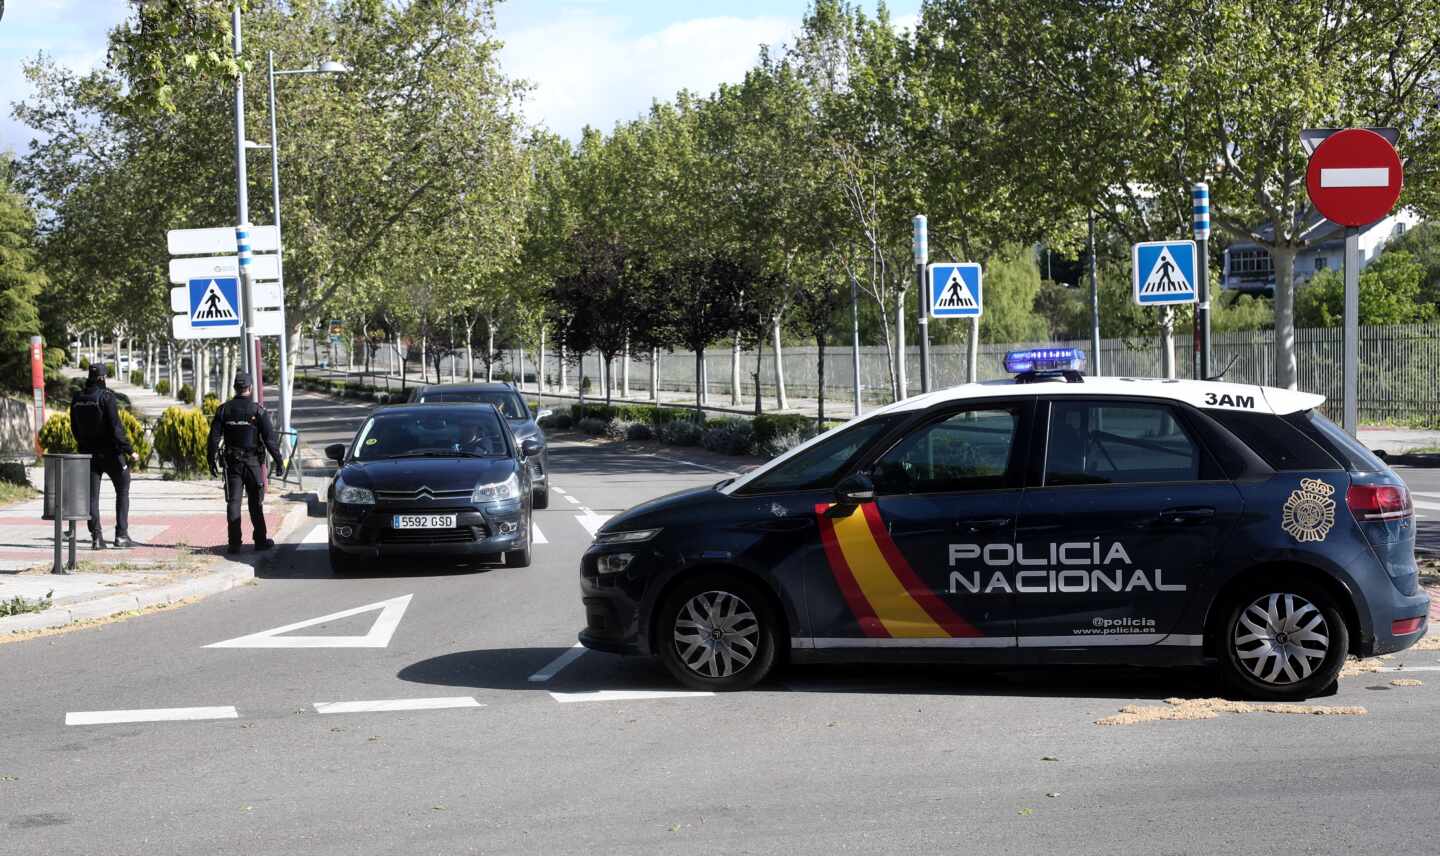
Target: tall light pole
column 242, row 206
column 327, row 67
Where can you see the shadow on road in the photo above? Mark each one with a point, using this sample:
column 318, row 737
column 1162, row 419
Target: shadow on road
column 510, row 669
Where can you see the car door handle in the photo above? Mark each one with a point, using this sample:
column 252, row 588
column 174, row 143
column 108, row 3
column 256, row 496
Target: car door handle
column 984, row 524
column 1183, row 516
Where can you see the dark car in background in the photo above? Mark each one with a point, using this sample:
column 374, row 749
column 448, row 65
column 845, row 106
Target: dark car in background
column 431, row 480
column 510, row 403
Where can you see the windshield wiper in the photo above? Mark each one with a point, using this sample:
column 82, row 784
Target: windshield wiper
column 438, row 453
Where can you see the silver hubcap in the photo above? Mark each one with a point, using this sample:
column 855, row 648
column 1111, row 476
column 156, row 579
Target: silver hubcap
column 1281, row 638
column 716, row 634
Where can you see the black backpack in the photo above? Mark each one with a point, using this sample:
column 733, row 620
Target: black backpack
column 87, row 421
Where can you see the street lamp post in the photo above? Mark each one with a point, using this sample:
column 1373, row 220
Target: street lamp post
column 327, row 67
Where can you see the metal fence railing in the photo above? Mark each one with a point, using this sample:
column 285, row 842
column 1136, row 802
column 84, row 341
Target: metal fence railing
column 1399, row 368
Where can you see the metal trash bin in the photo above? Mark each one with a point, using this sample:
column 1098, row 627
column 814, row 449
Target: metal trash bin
column 67, row 478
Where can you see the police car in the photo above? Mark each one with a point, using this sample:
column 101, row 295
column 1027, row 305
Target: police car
column 1049, row 518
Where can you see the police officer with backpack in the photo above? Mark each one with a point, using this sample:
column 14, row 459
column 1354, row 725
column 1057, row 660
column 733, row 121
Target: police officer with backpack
column 95, row 422
column 245, row 428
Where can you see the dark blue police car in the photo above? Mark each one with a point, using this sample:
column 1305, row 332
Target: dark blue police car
column 1051, row 518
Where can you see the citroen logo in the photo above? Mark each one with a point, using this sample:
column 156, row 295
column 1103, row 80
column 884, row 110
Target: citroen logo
column 424, row 493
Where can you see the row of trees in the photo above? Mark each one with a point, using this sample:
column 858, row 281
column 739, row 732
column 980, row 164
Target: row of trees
column 419, row 204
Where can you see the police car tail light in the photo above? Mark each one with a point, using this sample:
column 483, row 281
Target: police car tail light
column 1372, row 502
column 1406, row 626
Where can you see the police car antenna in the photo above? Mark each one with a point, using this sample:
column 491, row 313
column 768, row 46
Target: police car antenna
column 1228, row 366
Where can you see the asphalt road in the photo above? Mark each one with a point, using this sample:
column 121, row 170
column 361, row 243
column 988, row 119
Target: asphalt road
column 604, row 756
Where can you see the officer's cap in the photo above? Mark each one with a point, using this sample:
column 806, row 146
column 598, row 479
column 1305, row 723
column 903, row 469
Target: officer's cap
column 97, row 372
column 242, row 381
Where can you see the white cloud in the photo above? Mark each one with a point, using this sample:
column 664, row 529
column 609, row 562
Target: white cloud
column 587, row 70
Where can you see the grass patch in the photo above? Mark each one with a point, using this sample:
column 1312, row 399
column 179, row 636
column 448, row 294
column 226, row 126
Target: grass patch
column 13, row 493
column 19, row 606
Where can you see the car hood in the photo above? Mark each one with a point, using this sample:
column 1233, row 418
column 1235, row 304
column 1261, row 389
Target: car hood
column 407, row 474
column 673, row 509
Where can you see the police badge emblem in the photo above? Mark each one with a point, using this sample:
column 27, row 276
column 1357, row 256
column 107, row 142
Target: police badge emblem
column 1309, row 513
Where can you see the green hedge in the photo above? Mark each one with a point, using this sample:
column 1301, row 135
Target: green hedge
column 55, row 434
column 187, row 394
column 137, row 377
column 180, row 439
column 768, row 426
column 209, row 404
column 135, row 432
column 84, row 363
column 162, row 386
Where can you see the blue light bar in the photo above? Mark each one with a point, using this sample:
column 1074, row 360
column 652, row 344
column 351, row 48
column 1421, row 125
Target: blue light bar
column 1045, row 360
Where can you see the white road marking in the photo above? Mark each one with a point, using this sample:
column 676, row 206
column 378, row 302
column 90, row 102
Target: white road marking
column 559, row 490
column 1411, row 669
column 319, row 535
column 1428, row 506
column 1424, row 494
column 592, row 522
column 536, row 536
column 378, row 636
column 159, row 714
column 624, row 695
column 560, row 662
column 570, row 499
column 386, row 705
column 1366, row 176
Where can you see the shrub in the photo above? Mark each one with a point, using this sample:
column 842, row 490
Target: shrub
column 84, row 363
column 187, row 394
column 618, row 429
column 592, row 411
column 681, row 432
column 180, row 438
column 769, row 426
column 729, row 437
column 55, row 434
column 209, row 404
column 593, row 426
column 137, row 377
column 666, row 415
column 162, row 386
column 639, row 431
column 109, row 370
column 776, row 446
column 135, row 432
column 557, row 421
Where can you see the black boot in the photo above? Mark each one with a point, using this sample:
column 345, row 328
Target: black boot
column 263, row 544
column 122, row 542
column 232, row 548
column 97, row 541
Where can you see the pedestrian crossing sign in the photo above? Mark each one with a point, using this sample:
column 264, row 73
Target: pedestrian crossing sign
column 214, row 302
column 1164, row 272
column 955, row 290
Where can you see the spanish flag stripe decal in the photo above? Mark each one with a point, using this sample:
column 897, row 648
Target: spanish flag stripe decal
column 891, row 602
column 869, row 624
column 936, row 608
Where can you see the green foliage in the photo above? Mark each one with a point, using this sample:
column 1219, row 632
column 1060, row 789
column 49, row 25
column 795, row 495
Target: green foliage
column 110, row 370
column 21, row 281
column 187, row 394
column 1423, row 244
column 135, row 433
column 55, row 434
column 768, row 426
column 162, row 386
column 729, row 437
column 1011, row 288
column 84, row 363
column 1390, row 293
column 1230, row 313
column 209, row 404
column 680, row 432
column 137, row 378
column 181, row 435
column 19, row 606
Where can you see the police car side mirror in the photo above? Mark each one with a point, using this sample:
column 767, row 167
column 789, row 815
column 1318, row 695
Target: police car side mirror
column 542, row 414
column 530, row 448
column 336, row 452
column 855, row 489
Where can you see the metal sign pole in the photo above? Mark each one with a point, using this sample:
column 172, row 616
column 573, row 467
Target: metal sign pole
column 242, row 204
column 922, row 298
column 1352, row 331
column 855, row 337
column 279, row 257
column 1200, row 199
column 1094, row 303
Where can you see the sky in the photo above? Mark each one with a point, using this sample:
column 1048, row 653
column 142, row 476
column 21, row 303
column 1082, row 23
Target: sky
column 591, row 62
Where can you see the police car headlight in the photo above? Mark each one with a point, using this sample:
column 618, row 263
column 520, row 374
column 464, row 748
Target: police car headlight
column 497, row 491
column 633, row 536
column 351, row 495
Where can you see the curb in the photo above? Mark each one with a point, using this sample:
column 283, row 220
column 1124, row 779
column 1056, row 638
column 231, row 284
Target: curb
column 227, row 576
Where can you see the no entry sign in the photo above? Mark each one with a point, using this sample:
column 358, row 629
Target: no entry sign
column 1354, row 177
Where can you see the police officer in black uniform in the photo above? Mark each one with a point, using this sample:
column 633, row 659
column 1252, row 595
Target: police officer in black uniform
column 95, row 422
column 245, row 427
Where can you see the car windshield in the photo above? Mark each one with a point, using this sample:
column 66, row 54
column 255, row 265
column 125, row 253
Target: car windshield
column 446, row 433
column 510, row 403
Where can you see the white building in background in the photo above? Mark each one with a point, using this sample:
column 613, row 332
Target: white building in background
column 1249, row 268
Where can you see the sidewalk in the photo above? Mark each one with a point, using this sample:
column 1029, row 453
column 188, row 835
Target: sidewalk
column 180, row 534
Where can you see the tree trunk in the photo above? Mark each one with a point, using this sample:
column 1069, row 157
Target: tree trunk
column 700, row 382
column 735, row 372
column 625, row 371
column 490, row 352
column 782, row 401
column 704, row 380
column 1286, row 371
column 540, row 364
column 655, row 375
column 608, row 372
column 560, row 371
column 901, row 386
column 820, row 383
column 759, row 361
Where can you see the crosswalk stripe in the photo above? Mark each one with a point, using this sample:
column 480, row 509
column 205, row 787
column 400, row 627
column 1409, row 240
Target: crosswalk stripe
column 571, row 655
column 592, row 522
column 159, row 714
column 536, row 536
column 386, row 705
column 624, row 695
column 1428, row 506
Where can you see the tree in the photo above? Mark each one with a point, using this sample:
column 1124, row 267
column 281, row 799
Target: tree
column 21, row 282
column 1389, row 294
column 705, row 304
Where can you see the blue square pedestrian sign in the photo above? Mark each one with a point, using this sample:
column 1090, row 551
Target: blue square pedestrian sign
column 1164, row 272
column 955, row 290
column 215, row 302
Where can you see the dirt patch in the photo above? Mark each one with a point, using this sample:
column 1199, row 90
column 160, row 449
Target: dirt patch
column 1354, row 666
column 1211, row 708
column 90, row 623
column 1427, row 643
column 1406, row 682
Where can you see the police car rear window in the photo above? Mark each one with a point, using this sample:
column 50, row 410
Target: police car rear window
column 1279, row 443
column 1333, row 439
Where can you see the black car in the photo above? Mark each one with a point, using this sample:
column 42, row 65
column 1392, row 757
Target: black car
column 447, row 480
column 1098, row 520
column 511, row 403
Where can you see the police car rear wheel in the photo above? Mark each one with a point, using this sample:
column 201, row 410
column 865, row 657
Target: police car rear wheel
column 1283, row 642
column 717, row 634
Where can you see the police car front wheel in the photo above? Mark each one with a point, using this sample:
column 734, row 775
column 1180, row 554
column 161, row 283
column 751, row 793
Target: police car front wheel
column 1284, row 641
column 717, row 634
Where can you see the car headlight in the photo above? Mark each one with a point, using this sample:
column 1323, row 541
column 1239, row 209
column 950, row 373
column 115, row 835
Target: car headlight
column 351, row 495
column 613, row 563
column 497, row 491
column 633, row 536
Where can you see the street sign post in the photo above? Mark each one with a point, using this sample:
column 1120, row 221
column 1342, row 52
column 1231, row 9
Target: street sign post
column 37, row 383
column 921, row 245
column 1200, row 223
column 956, row 290
column 1354, row 178
column 1163, row 275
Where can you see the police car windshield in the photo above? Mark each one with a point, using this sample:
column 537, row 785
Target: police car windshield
column 509, row 403
column 822, row 464
column 458, row 434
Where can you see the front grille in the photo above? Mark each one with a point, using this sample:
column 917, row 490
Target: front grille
column 421, row 494
column 462, row 535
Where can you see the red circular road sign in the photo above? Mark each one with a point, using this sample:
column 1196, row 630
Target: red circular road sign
column 1354, row 177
